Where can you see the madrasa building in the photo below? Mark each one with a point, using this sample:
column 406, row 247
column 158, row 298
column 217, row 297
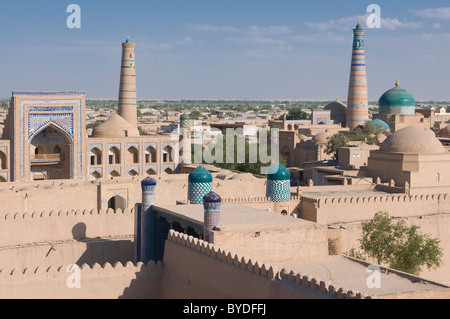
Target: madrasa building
column 45, row 137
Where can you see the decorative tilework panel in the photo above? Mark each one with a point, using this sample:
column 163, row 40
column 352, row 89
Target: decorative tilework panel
column 196, row 192
column 278, row 191
column 63, row 121
column 50, row 109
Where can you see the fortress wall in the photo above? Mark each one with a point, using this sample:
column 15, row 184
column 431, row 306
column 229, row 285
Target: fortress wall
column 52, row 226
column 60, row 194
column 277, row 243
column 433, row 225
column 28, row 198
column 68, row 252
column 206, row 267
column 335, row 188
column 99, row 282
column 356, row 208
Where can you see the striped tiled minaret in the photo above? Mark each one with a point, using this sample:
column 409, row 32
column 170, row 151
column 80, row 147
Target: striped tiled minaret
column 357, row 101
column 127, row 91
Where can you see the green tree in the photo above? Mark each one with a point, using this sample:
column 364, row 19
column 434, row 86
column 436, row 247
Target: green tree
column 236, row 164
column 296, row 113
column 398, row 245
column 93, row 125
column 195, row 115
column 334, row 143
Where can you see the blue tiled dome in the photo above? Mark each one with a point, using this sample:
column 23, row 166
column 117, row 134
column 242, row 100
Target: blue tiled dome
column 397, row 101
column 212, row 197
column 200, row 175
column 379, row 124
column 278, row 172
column 148, row 181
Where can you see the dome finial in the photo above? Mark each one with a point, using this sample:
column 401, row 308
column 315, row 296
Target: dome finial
column 397, row 83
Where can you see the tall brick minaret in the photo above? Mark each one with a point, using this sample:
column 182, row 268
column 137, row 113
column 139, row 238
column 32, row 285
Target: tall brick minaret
column 357, row 101
column 127, row 90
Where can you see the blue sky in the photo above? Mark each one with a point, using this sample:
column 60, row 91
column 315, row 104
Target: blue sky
column 229, row 49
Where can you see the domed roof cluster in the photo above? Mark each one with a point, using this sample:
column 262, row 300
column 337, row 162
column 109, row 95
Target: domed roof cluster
column 412, row 140
column 397, row 101
column 200, row 175
column 116, row 126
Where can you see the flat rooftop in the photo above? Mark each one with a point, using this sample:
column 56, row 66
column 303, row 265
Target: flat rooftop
column 353, row 275
column 234, row 217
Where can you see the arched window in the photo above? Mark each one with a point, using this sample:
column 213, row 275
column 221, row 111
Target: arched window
column 39, row 150
column 151, row 172
column 150, row 155
column 132, row 173
column 3, row 161
column 96, row 156
column 95, row 176
column 438, row 177
column 114, row 174
column 114, row 155
column 168, row 171
column 116, row 202
column 167, row 154
column 133, row 154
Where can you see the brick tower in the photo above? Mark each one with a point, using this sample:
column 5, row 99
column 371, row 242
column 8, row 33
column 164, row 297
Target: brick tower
column 357, row 101
column 127, row 90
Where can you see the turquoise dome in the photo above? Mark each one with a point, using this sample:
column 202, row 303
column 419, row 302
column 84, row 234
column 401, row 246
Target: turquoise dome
column 397, row 101
column 278, row 172
column 200, row 175
column 378, row 124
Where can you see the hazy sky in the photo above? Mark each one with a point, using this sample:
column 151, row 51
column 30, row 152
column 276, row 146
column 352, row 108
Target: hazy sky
column 228, row 49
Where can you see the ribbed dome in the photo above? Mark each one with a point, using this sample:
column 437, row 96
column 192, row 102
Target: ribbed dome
column 321, row 138
column 200, row 175
column 278, row 172
column 397, row 101
column 116, row 126
column 412, row 140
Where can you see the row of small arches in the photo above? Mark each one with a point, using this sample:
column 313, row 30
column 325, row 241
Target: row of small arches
column 132, row 154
